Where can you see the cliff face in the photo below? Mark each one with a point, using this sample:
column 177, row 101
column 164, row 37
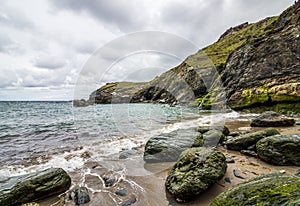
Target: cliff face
column 250, row 65
column 266, row 70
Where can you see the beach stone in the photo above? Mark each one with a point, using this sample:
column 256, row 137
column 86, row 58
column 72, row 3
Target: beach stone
column 167, row 147
column 280, row 149
column 126, row 154
column 210, row 136
column 229, row 159
column 80, row 196
column 122, row 192
column 270, row 189
column 221, row 128
column 109, row 181
column 129, row 202
column 272, row 119
column 243, row 142
column 34, row 186
column 249, row 153
column 197, row 169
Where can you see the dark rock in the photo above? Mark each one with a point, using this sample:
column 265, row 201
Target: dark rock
column 297, row 122
column 229, row 180
column 210, row 136
column 242, row 142
column 234, row 134
column 270, row 189
column 126, row 154
column 122, row 192
column 280, row 149
column 249, row 153
column 129, row 202
column 272, row 119
column 109, row 181
column 229, row 159
column 195, row 171
column 167, row 147
column 237, row 174
column 223, row 129
column 80, row 196
column 82, row 103
column 33, row 186
column 298, row 173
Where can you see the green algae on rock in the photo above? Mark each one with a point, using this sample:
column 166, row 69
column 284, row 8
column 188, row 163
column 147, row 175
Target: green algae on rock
column 280, row 149
column 274, row 189
column 243, row 142
column 195, row 171
column 33, row 186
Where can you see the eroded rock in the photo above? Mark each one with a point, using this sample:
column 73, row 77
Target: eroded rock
column 280, row 149
column 270, row 189
column 195, row 171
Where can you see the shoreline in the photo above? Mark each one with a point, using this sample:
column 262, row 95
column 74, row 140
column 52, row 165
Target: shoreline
column 152, row 186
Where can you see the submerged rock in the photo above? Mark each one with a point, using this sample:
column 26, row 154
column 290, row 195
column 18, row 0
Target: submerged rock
column 243, row 142
column 33, row 186
column 272, row 119
column 126, row 154
column 195, row 171
column 280, row 149
column 167, row 147
column 270, row 189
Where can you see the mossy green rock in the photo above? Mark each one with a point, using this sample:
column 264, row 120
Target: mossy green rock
column 280, row 149
column 272, row 189
column 195, row 171
column 34, row 186
column 242, row 142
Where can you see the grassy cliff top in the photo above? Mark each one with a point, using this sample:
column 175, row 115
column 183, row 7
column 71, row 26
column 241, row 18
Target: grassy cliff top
column 233, row 38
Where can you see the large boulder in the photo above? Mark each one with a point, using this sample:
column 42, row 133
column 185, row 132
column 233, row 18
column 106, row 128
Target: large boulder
column 167, row 147
column 272, row 119
column 196, row 170
column 33, row 186
column 270, row 189
column 245, row 141
column 280, row 149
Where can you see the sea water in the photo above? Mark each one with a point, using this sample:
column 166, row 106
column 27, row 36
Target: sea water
column 86, row 141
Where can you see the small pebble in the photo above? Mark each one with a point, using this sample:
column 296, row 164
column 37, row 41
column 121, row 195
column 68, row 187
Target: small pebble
column 229, row 180
column 122, row 192
column 131, row 201
column 229, row 159
column 109, row 181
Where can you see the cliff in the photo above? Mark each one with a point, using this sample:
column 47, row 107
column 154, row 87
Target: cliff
column 251, row 65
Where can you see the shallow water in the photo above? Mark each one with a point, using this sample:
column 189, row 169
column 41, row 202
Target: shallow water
column 86, row 142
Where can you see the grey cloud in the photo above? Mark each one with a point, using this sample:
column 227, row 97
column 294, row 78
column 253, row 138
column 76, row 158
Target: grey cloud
column 49, row 62
column 126, row 15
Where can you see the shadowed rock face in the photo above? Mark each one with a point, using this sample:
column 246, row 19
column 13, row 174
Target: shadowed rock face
column 270, row 189
column 266, row 70
column 34, row 186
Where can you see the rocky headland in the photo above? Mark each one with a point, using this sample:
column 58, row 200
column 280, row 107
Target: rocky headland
column 251, row 66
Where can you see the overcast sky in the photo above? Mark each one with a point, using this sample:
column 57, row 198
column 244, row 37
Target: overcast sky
column 44, row 44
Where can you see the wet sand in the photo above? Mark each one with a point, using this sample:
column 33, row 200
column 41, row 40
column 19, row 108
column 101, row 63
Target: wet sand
column 146, row 182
